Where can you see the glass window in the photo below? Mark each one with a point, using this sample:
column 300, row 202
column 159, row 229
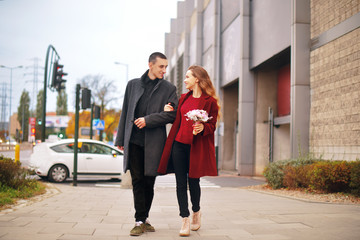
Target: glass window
column 100, row 149
column 85, row 148
column 64, row 148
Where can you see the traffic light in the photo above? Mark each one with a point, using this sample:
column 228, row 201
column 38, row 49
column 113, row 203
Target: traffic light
column 39, row 122
column 85, row 98
column 57, row 81
column 32, row 131
column 97, row 112
column 61, row 135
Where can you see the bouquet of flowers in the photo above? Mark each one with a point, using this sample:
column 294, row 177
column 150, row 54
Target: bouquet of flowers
column 197, row 116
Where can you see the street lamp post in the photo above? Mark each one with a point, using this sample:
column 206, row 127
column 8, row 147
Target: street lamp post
column 127, row 69
column 11, row 69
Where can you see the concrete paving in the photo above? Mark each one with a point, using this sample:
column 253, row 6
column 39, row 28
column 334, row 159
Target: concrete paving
column 106, row 213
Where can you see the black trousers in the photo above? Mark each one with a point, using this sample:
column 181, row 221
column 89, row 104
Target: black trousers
column 143, row 186
column 181, row 158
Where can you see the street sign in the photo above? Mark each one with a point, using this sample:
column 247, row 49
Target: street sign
column 98, row 124
column 32, row 121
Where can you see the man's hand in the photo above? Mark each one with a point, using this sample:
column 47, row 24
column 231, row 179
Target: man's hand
column 140, row 123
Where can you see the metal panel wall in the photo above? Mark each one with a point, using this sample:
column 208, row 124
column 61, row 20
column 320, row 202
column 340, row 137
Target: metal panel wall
column 230, row 53
column 271, row 25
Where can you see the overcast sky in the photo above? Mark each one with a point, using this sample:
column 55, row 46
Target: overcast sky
column 89, row 35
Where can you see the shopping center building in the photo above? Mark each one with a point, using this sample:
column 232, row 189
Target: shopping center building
column 287, row 73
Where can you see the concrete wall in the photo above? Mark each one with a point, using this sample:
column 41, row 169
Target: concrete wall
column 14, row 124
column 281, row 149
column 300, row 78
column 266, row 82
column 230, row 117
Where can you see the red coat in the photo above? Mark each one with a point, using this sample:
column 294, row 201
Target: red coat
column 202, row 153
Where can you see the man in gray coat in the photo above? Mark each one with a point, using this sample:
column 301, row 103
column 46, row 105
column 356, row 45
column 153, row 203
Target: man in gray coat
column 142, row 134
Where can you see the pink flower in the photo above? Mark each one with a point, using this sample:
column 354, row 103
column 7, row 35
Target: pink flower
column 197, row 115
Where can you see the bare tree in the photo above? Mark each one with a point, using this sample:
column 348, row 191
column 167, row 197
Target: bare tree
column 102, row 90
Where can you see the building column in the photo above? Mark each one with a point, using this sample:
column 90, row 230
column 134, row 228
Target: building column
column 246, row 127
column 300, row 77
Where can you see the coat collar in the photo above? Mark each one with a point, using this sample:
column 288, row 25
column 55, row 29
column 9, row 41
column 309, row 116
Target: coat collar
column 142, row 84
column 143, row 77
column 202, row 101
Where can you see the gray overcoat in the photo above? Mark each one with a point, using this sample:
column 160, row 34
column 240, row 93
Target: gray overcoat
column 155, row 119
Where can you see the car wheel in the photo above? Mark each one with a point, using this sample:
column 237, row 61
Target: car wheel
column 58, row 173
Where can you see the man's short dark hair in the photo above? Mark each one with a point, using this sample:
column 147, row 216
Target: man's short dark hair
column 155, row 55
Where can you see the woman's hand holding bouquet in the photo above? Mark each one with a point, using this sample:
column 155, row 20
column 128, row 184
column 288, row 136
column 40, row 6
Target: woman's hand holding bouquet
column 198, row 117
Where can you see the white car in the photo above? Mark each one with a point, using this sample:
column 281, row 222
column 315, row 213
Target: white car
column 55, row 160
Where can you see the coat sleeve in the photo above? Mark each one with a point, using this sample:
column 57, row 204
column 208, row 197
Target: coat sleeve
column 119, row 141
column 210, row 126
column 160, row 119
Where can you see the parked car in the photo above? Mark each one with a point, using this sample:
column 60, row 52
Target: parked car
column 55, row 160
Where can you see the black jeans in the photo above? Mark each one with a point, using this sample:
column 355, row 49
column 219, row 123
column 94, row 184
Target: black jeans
column 181, row 158
column 143, row 186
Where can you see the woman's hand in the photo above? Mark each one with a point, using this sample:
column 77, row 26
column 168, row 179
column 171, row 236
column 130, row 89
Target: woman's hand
column 198, row 127
column 168, row 108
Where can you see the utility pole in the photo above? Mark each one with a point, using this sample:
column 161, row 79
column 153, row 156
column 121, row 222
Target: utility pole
column 77, row 109
column 35, row 80
column 11, row 70
column 3, row 105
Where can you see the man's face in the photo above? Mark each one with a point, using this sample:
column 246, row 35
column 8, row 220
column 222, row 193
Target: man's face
column 158, row 69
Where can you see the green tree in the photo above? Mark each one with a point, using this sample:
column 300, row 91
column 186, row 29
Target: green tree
column 24, row 113
column 39, row 112
column 61, row 103
column 39, row 104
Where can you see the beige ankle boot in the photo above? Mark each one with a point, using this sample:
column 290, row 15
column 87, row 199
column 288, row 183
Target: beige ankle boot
column 185, row 227
column 196, row 221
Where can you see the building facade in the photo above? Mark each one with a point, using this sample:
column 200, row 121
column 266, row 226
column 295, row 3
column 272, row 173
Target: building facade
column 287, row 73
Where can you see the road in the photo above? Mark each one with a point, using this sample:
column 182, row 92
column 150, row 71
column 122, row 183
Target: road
column 225, row 180
column 24, row 156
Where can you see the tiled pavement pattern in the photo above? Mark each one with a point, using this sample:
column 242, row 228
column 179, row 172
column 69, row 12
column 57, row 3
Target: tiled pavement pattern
column 106, row 213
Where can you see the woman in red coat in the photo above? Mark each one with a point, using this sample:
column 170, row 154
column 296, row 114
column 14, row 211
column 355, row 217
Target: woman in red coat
column 189, row 150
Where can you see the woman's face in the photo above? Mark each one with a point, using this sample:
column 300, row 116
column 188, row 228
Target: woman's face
column 190, row 81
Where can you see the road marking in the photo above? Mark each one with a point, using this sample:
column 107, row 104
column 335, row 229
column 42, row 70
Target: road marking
column 108, row 185
column 168, row 181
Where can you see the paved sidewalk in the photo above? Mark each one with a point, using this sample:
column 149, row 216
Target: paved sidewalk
column 106, row 213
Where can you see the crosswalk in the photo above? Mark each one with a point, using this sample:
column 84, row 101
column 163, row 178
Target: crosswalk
column 168, row 181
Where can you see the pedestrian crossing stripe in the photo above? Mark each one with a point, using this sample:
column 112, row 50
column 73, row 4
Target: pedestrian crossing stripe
column 168, row 181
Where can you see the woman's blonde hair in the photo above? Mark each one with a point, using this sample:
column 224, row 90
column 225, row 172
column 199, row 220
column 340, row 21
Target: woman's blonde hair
column 205, row 83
